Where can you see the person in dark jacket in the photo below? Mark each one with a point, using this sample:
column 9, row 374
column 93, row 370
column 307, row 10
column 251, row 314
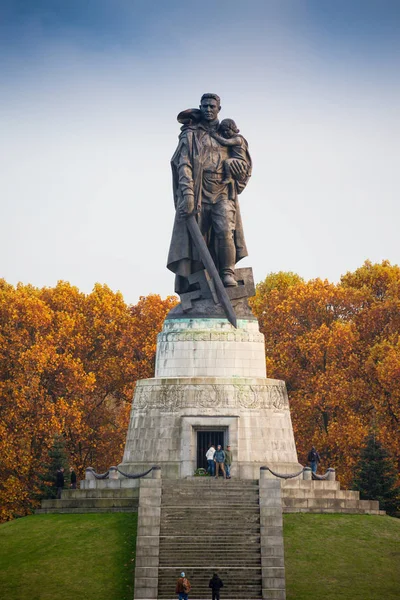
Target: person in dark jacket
column 60, row 482
column 73, row 478
column 219, row 459
column 215, row 584
column 313, row 458
column 228, row 461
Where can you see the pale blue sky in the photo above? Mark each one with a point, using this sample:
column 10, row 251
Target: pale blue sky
column 89, row 93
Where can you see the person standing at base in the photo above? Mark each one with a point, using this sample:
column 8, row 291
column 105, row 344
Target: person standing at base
column 228, row 461
column 210, row 459
column 215, row 584
column 60, row 482
column 219, row 459
column 313, row 458
column 183, row 587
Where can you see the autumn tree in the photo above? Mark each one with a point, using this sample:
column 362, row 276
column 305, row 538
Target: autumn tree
column 378, row 326
column 68, row 366
column 340, row 368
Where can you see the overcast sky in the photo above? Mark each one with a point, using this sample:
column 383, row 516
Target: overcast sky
column 89, row 93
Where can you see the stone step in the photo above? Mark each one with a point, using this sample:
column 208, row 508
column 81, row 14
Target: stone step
column 205, row 492
column 79, row 510
column 234, row 554
column 215, row 550
column 211, row 553
column 345, row 511
column 200, row 500
column 229, row 538
column 101, row 493
column 194, row 549
column 236, row 586
column 84, row 503
column 179, row 525
column 196, row 513
column 310, row 494
column 309, row 484
column 213, row 504
column 170, row 552
column 209, row 528
column 211, row 493
column 215, row 497
column 332, row 503
column 192, row 562
column 203, row 481
column 223, row 542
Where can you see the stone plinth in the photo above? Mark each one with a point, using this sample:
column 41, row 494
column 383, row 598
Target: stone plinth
column 210, row 348
column 167, row 414
column 210, row 377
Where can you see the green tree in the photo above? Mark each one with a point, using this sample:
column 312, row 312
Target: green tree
column 376, row 476
column 57, row 457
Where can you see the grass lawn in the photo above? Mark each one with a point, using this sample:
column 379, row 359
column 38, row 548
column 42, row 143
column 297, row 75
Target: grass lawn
column 342, row 557
column 72, row 557
column 91, row 557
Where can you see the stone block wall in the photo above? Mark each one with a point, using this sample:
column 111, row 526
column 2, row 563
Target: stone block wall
column 148, row 538
column 272, row 549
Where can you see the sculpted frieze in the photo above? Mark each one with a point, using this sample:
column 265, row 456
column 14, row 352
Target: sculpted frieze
column 172, row 397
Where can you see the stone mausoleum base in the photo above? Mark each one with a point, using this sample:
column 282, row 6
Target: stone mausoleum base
column 225, row 390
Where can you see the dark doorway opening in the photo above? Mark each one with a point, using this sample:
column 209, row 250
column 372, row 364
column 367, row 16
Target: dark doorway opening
column 204, row 441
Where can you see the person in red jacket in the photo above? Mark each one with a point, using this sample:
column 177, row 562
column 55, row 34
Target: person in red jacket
column 183, row 587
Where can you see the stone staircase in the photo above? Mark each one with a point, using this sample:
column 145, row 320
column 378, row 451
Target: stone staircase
column 93, row 501
column 209, row 526
column 299, row 495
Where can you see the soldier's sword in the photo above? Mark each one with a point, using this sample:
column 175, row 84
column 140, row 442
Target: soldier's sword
column 208, row 262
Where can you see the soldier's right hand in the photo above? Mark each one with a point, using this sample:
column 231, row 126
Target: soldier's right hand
column 186, row 206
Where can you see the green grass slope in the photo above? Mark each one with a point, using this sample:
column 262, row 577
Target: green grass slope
column 91, row 557
column 342, row 557
column 73, row 557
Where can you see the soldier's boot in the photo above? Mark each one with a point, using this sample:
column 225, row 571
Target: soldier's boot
column 226, row 259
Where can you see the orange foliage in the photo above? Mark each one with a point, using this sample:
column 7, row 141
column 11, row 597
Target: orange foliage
column 338, row 349
column 68, row 365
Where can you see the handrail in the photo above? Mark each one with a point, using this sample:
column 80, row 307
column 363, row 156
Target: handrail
column 292, row 475
column 98, row 475
column 106, row 475
column 136, row 476
column 284, row 476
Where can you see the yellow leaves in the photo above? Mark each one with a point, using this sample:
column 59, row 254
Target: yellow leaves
column 337, row 347
column 68, row 366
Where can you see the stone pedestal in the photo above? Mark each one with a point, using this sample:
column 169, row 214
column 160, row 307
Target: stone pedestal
column 210, row 376
column 210, row 348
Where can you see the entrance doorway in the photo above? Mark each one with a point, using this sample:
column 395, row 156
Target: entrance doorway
column 204, row 441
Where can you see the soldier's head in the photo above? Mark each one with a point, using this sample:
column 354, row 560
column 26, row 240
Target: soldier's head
column 210, row 105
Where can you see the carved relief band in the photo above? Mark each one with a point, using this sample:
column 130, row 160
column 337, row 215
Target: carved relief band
column 172, row 397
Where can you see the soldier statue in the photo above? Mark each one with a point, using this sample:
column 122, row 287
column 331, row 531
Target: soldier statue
column 211, row 167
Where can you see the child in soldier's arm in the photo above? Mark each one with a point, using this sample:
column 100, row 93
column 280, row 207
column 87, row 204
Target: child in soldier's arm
column 229, row 137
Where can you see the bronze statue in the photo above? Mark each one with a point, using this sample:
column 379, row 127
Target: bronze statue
column 210, row 167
